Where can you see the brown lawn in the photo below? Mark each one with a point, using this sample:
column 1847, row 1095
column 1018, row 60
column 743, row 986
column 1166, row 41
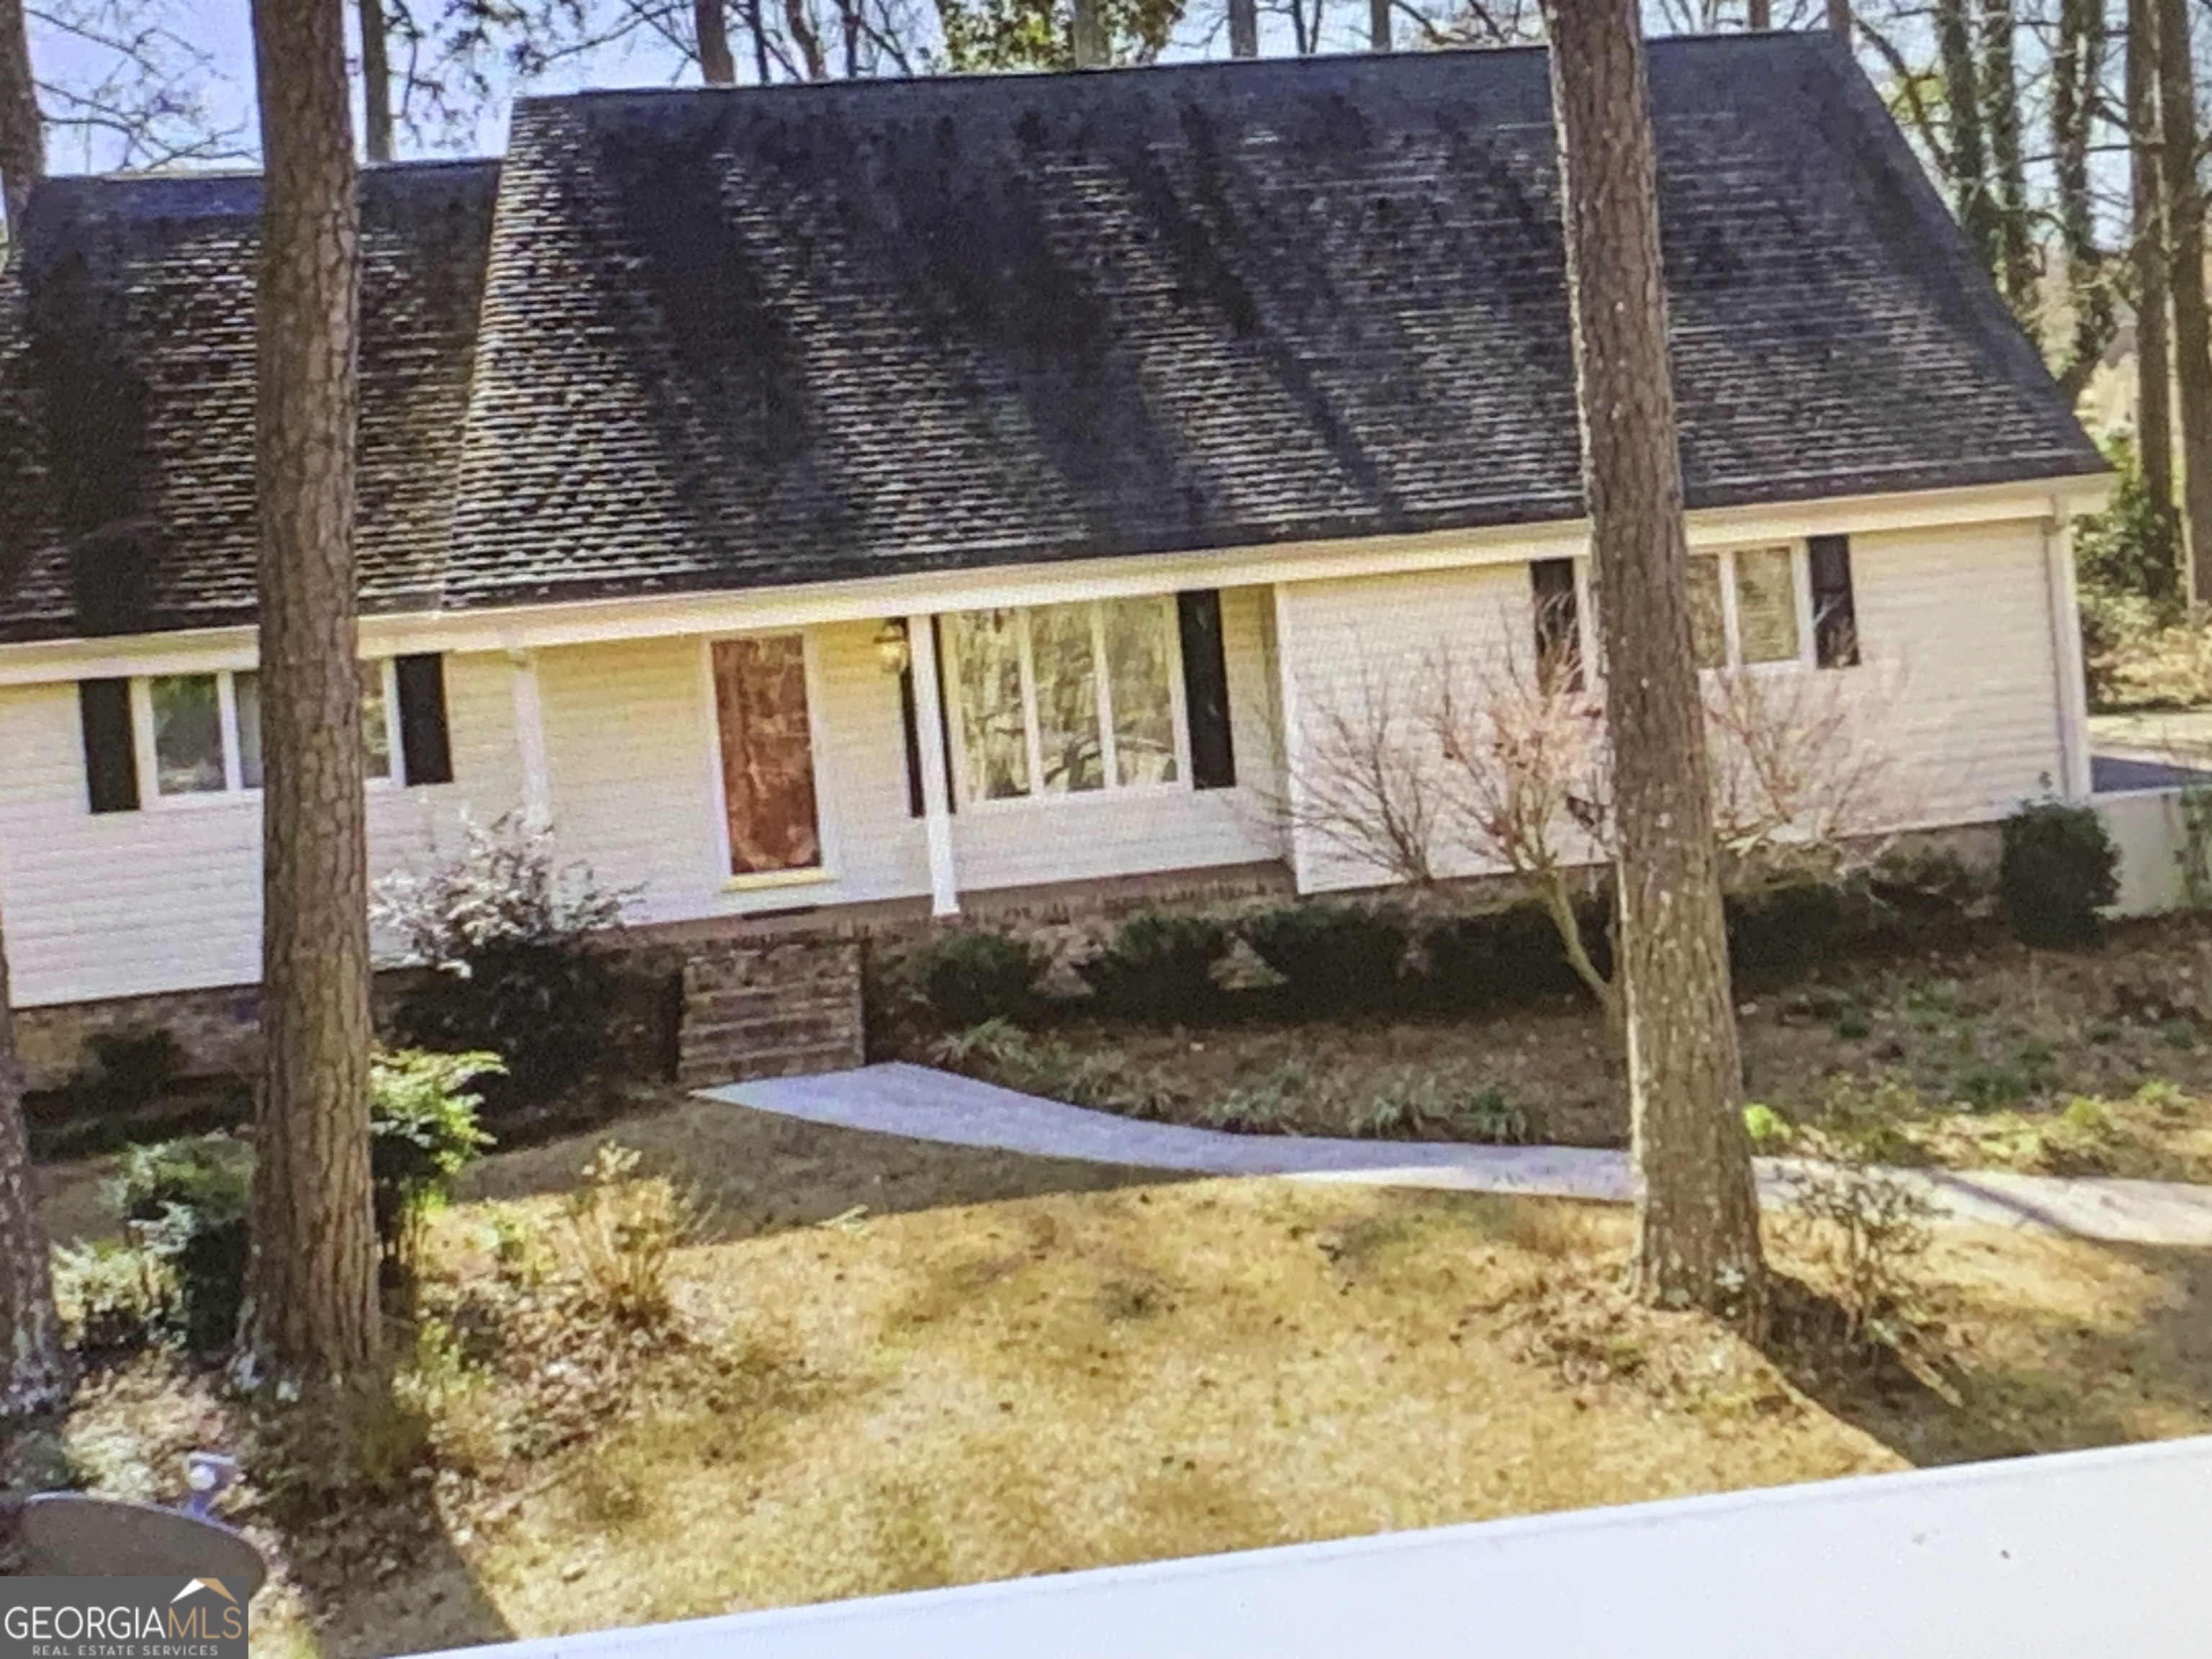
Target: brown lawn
column 898, row 1365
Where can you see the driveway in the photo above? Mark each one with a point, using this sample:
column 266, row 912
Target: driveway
column 2150, row 750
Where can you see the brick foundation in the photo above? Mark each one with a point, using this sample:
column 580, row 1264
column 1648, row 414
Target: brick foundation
column 772, row 994
column 218, row 1031
column 779, row 1009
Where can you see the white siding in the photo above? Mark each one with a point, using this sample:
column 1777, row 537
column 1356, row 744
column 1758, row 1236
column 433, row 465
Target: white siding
column 1350, row 648
column 1957, row 625
column 168, row 898
column 1958, row 681
column 629, row 729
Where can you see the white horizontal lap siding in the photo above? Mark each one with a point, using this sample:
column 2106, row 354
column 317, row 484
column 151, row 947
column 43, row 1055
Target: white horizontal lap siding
column 627, row 734
column 875, row 847
column 1347, row 648
column 631, row 739
column 168, row 898
column 1955, row 628
column 1110, row 832
column 414, row 831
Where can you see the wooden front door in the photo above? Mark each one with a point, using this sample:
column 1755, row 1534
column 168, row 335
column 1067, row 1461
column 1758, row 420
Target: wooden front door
column 768, row 755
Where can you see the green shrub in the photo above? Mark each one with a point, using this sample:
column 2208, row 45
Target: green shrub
column 123, row 1071
column 969, row 976
column 183, row 1203
column 114, row 1297
column 1335, row 958
column 1766, row 1127
column 2130, row 549
column 997, row 1051
column 1779, row 933
column 511, row 941
column 2059, row 868
column 1480, row 960
column 1923, row 900
column 1158, row 967
column 423, row 1133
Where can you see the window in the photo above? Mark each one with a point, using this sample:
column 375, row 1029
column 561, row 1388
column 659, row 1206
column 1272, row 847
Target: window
column 201, row 733
column 1744, row 607
column 1067, row 699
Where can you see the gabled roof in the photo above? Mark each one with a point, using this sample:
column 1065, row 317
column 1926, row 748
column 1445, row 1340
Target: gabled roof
column 136, row 298
column 730, row 339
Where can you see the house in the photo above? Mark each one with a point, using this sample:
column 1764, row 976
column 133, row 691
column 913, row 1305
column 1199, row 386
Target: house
column 889, row 499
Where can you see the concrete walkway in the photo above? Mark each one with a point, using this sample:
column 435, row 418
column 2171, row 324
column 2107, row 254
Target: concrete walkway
column 923, row 1104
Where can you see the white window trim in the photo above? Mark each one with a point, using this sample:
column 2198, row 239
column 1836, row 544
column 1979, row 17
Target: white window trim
column 824, row 869
column 1800, row 594
column 1077, row 800
column 235, row 791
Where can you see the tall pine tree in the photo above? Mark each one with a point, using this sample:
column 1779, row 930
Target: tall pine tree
column 312, row 1314
column 1698, row 1240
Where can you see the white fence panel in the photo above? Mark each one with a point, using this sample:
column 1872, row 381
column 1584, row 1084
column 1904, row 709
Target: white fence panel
column 2090, row 1555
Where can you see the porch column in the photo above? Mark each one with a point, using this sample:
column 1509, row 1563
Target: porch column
column 936, row 787
column 2066, row 657
column 1291, row 755
column 530, row 741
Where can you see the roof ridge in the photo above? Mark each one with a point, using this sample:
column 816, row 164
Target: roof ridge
column 861, row 87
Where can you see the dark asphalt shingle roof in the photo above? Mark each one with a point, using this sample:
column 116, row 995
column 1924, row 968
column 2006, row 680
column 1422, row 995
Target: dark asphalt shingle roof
column 735, row 339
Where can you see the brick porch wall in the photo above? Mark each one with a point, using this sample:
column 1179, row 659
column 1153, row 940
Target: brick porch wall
column 781, row 1009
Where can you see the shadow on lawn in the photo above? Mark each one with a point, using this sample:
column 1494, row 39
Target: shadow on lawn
column 382, row 1576
column 758, row 1173
column 1973, row 1408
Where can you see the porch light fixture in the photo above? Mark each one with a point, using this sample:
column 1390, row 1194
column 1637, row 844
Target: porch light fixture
column 892, row 648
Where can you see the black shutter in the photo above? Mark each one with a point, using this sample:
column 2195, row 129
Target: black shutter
column 910, row 725
column 1559, row 620
column 1205, row 690
column 111, row 747
column 1835, row 617
column 426, row 747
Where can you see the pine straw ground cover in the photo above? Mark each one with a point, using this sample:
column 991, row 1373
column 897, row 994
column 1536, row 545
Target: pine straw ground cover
column 2067, row 1063
column 999, row 1367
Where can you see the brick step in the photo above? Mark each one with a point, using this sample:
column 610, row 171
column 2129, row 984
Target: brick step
column 786, row 1008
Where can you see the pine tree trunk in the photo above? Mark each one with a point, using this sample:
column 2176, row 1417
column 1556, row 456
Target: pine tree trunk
column 1379, row 25
column 2192, row 328
column 710, row 27
column 1243, row 28
column 1699, row 1211
column 1758, row 14
column 1840, row 19
column 2000, row 84
column 375, row 82
column 2147, row 217
column 23, row 133
column 1966, row 166
column 36, row 1381
column 312, row 1306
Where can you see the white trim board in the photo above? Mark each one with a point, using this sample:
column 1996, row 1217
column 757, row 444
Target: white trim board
column 2082, row 1555
column 539, row 626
